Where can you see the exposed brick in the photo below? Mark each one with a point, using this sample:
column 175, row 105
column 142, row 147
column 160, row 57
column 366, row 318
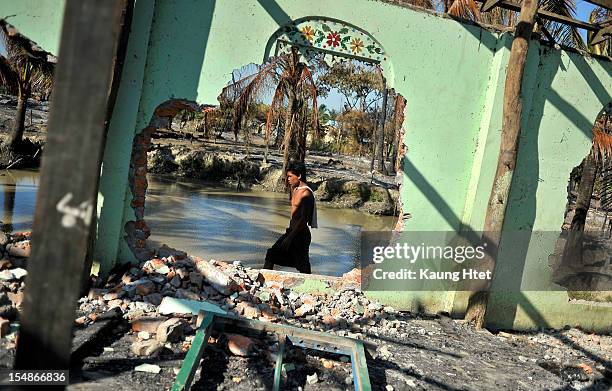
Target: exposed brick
column 137, row 202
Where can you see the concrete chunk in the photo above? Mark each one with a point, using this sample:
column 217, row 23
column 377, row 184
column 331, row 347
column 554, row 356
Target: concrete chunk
column 149, row 368
column 170, row 305
column 170, row 330
column 146, row 348
column 215, row 277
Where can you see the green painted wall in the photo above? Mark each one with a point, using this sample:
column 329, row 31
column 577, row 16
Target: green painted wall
column 567, row 94
column 451, row 74
column 182, row 63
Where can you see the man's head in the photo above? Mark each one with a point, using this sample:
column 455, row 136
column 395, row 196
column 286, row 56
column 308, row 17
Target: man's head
column 296, row 172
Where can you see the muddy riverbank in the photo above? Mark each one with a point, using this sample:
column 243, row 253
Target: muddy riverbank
column 336, row 182
column 339, row 181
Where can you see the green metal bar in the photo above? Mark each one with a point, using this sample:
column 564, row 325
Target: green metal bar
column 192, row 360
column 279, row 362
column 360, row 368
column 298, row 336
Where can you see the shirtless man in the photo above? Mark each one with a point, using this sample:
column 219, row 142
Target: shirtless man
column 291, row 249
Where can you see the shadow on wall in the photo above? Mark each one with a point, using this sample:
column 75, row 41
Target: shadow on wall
column 521, row 210
column 177, row 50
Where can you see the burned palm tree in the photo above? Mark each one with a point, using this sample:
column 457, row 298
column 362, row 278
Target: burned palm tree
column 559, row 32
column 466, row 9
column 295, row 86
column 591, row 165
column 24, row 68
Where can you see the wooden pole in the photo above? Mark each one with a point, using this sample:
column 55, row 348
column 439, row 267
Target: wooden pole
column 68, row 184
column 126, row 23
column 511, row 131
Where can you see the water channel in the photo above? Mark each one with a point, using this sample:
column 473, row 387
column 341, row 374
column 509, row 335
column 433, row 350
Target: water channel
column 217, row 223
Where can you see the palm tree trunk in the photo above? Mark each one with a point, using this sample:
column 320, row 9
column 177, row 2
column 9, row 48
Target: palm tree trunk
column 572, row 253
column 301, row 145
column 287, row 147
column 291, row 97
column 286, row 154
column 289, row 123
column 288, row 133
column 280, row 133
column 506, row 161
column 19, row 126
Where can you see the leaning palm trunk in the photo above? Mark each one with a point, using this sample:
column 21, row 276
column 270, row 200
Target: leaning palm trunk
column 23, row 67
column 19, row 126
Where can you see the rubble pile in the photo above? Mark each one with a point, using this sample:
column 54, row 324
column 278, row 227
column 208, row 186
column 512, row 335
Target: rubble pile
column 150, row 313
column 14, row 250
column 239, row 290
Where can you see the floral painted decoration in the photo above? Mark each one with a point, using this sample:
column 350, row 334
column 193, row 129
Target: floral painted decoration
column 333, row 39
column 356, row 45
column 333, row 36
column 308, row 33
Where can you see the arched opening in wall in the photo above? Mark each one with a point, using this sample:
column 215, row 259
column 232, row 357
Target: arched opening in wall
column 216, row 183
column 583, row 262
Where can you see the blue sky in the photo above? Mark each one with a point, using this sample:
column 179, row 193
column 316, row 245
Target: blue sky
column 583, row 10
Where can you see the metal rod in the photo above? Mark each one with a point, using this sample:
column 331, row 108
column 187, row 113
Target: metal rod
column 360, row 368
column 192, row 360
column 279, row 362
column 297, row 336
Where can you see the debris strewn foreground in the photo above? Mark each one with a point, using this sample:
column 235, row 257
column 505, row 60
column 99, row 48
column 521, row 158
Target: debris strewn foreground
column 129, row 334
